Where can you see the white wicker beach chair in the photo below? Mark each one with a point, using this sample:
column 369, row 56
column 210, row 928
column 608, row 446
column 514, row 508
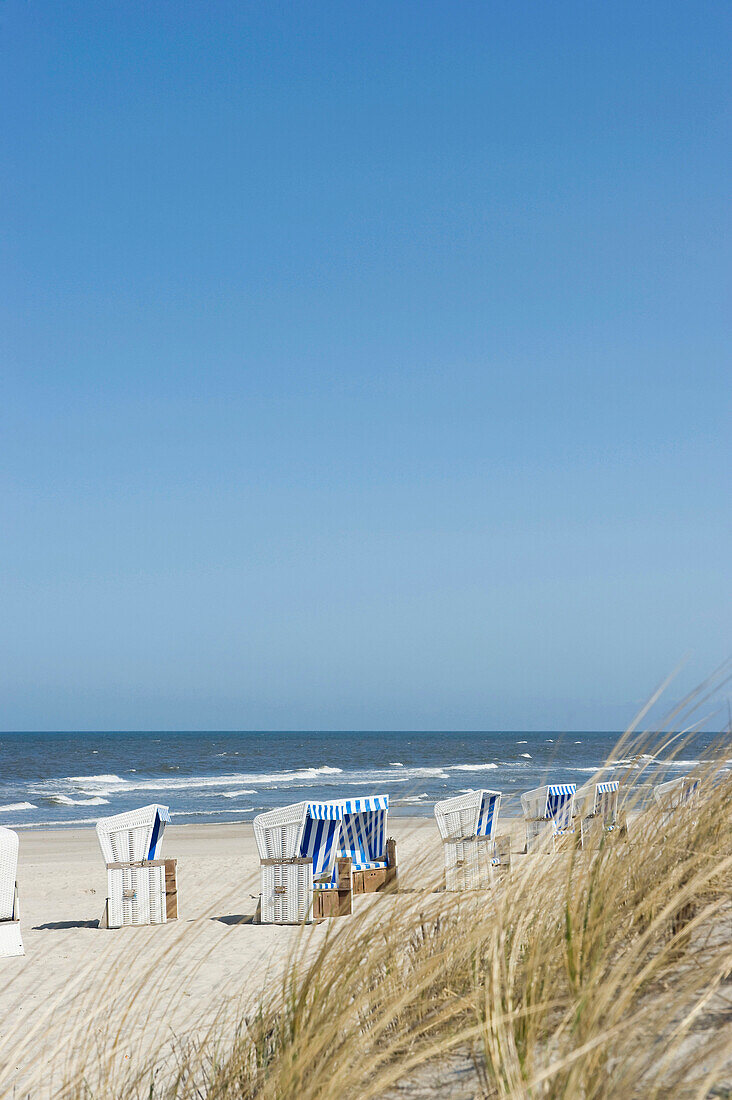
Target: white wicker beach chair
column 11, row 942
column 549, row 815
column 300, row 879
column 597, row 806
column 676, row 794
column 467, row 825
column 141, row 886
column 363, row 840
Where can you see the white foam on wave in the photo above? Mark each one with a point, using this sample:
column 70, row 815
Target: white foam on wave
column 396, row 764
column 64, row 800
column 437, row 774
column 588, row 771
column 90, row 780
column 470, row 767
column 237, row 794
column 11, row 807
column 113, row 784
column 522, row 742
column 526, row 754
column 410, row 798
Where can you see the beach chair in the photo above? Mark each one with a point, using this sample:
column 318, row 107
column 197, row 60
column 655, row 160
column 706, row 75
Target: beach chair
column 467, row 825
column 363, row 840
column 141, row 887
column 676, row 794
column 11, row 942
column 549, row 816
column 302, row 878
column 602, row 816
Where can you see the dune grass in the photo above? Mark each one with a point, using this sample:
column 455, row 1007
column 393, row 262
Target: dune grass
column 603, row 972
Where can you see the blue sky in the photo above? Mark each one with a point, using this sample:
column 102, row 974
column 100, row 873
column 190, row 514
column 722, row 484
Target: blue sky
column 364, row 366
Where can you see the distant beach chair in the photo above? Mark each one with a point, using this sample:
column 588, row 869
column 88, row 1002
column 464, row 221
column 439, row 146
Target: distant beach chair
column 467, row 825
column 680, row 793
column 602, row 815
column 363, row 840
column 549, row 815
column 142, row 888
column 11, row 942
column 302, row 877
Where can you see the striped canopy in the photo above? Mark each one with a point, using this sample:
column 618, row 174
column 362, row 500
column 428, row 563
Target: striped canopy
column 363, row 833
column 559, row 804
column 607, row 788
column 319, row 840
column 487, row 813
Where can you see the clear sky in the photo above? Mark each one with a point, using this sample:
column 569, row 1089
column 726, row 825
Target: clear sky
column 363, row 365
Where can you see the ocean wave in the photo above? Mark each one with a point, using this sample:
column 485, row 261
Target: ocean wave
column 12, row 807
column 522, row 742
column 526, row 754
column 64, row 800
column 470, row 767
column 237, row 794
column 56, row 824
column 114, row 784
column 410, row 798
column 93, row 779
column 396, row 764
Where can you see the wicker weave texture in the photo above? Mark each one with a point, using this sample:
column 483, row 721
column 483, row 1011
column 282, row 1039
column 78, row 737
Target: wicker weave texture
column 11, row 942
column 278, row 832
column 287, row 892
column 8, row 872
column 136, row 895
column 468, row 864
column 126, row 838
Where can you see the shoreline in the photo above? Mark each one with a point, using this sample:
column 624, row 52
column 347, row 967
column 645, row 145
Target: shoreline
column 212, row 959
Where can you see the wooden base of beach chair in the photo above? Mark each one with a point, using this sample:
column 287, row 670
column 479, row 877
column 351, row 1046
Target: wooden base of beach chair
column 11, row 941
column 391, row 865
column 338, row 901
column 377, row 879
column 171, row 889
column 331, row 903
column 369, row 882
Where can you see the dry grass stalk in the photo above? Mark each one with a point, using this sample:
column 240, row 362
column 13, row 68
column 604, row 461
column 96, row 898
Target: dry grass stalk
column 585, row 975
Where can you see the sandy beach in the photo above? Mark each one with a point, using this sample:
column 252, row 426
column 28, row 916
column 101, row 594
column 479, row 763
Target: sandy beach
column 72, row 986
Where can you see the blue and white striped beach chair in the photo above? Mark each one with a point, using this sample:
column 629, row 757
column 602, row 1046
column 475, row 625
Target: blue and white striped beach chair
column 11, row 942
column 363, row 840
column 549, row 815
column 467, row 825
column 602, row 814
column 676, row 794
column 298, row 848
column 141, row 886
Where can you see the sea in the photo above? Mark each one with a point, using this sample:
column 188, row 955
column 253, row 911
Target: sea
column 57, row 779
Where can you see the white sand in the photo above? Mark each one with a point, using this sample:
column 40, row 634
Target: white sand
column 61, row 994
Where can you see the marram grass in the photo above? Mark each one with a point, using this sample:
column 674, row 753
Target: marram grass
column 584, row 975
